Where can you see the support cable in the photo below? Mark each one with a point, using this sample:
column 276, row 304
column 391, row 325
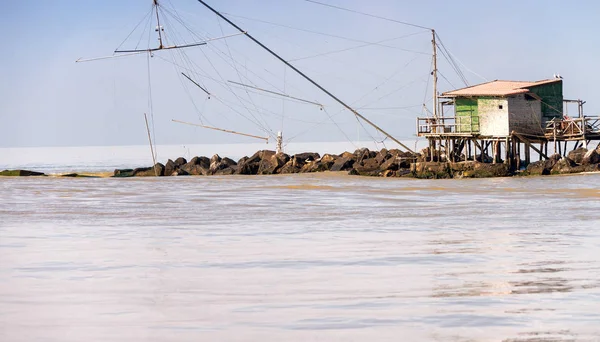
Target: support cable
column 369, row 15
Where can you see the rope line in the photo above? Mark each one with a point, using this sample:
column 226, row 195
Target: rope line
column 368, row 14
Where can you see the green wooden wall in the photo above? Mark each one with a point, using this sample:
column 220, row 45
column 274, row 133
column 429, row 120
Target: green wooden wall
column 552, row 99
column 466, row 114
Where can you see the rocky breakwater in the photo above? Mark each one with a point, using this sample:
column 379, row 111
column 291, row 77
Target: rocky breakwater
column 576, row 161
column 386, row 163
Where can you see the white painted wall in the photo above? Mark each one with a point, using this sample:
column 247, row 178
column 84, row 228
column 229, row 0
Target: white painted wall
column 524, row 116
column 493, row 117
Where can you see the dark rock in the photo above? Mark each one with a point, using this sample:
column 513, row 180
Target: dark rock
column 273, row 164
column 214, row 160
column 157, row 170
column 347, row 155
column 302, row 158
column 247, row 166
column 397, row 160
column 591, row 168
column 328, row 158
column 316, row 166
column 485, row 170
column 565, row 165
column 216, row 165
column 179, row 162
column 343, row 163
column 543, row 167
column 228, row 161
column 123, row 173
column 364, row 153
column 143, row 172
column 388, row 173
column 431, row 170
column 170, row 168
column 290, row 167
column 391, row 164
column 202, row 161
column 591, row 157
column 383, row 155
column 403, row 173
column 367, row 166
column 194, row 170
column 262, row 155
column 251, row 165
column 577, row 155
column 225, row 171
column 353, row 172
column 20, row 173
column 198, row 166
column 458, row 167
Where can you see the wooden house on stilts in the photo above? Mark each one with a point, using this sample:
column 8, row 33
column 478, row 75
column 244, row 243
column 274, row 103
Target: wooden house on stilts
column 503, row 121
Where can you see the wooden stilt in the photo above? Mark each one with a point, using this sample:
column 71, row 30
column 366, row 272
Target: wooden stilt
column 507, row 152
column 514, row 161
column 431, row 149
column 469, row 155
column 518, row 154
column 559, row 148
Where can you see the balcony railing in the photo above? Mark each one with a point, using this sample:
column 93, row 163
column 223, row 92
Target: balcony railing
column 448, row 125
column 573, row 128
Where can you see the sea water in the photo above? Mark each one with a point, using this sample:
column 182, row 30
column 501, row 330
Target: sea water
column 319, row 257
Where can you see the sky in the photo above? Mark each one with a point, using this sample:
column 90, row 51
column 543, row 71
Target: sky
column 46, row 99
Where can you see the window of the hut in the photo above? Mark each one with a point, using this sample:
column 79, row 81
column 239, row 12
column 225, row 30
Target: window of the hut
column 500, row 106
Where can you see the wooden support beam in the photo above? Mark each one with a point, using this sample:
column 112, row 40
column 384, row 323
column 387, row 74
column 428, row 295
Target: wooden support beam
column 530, row 145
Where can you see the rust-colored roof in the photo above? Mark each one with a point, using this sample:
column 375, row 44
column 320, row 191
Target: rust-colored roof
column 498, row 88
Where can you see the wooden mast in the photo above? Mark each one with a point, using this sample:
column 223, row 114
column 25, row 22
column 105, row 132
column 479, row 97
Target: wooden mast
column 151, row 148
column 158, row 28
column 435, row 76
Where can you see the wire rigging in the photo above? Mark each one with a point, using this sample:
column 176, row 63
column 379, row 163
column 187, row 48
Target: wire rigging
column 368, row 14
